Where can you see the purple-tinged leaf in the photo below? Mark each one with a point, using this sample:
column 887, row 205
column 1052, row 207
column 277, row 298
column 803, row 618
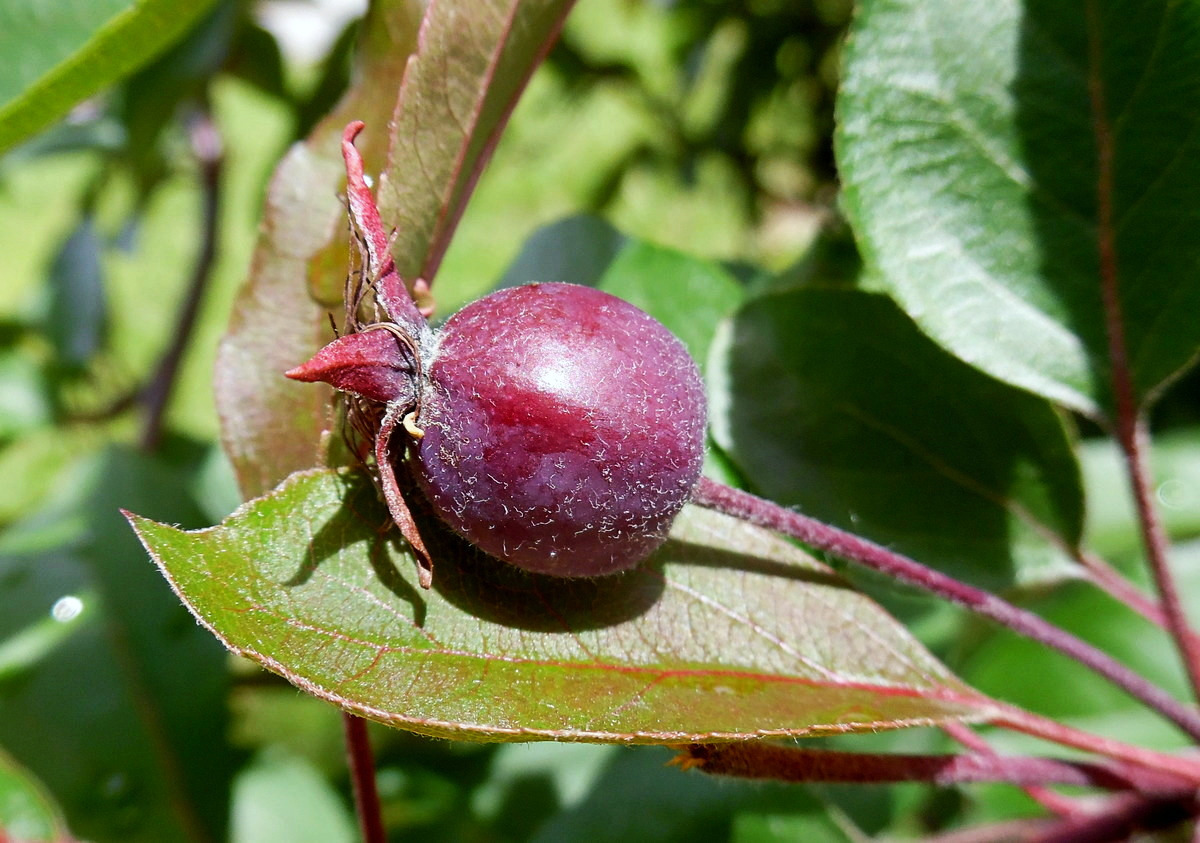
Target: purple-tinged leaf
column 272, row 426
column 471, row 64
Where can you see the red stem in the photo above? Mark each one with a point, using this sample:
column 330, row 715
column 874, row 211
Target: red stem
column 362, row 775
column 814, row 533
column 1020, row 720
column 757, row 760
column 1130, row 427
column 1121, row 819
column 1054, row 802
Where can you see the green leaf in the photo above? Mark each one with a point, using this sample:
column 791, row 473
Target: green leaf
column 272, row 426
column 26, row 398
column 639, row 798
column 473, row 62
column 577, row 249
column 834, row 402
column 1112, row 527
column 59, row 52
column 969, row 142
column 78, row 309
column 109, row 693
column 728, row 631
column 687, row 294
column 282, row 797
column 27, row 813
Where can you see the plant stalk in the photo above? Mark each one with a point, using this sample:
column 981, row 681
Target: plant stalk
column 824, row 537
column 1130, row 425
column 207, row 147
column 362, row 775
column 1185, row 768
column 1052, row 801
column 760, row 760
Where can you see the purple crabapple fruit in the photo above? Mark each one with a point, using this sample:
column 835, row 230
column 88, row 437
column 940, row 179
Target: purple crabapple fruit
column 554, row 426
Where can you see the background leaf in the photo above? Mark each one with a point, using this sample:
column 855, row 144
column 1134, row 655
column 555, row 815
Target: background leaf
column 473, row 63
column 968, row 148
column 272, row 426
column 833, row 401
column 689, row 295
column 78, row 312
column 577, row 249
column 632, row 801
column 27, row 814
column 59, row 52
column 109, row 693
column 727, row 631
column 280, row 796
column 1112, row 522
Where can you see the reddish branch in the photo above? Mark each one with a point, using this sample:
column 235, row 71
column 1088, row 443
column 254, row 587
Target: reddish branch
column 824, row 537
column 1130, row 426
column 206, row 146
column 1055, row 803
column 1123, row 817
column 362, row 776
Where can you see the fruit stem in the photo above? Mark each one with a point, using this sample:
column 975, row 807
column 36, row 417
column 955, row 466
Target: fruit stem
column 1120, row 817
column 824, row 537
column 362, row 776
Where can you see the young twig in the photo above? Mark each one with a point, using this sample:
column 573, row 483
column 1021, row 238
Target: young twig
column 822, row 536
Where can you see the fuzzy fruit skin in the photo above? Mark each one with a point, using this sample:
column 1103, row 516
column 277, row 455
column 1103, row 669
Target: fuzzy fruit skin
column 564, row 429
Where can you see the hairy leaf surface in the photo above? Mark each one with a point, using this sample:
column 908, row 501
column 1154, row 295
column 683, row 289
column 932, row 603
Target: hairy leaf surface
column 728, row 631
column 992, row 153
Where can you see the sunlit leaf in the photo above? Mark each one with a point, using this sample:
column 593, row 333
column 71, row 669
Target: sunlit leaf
column 473, row 63
column 971, row 139
column 727, row 631
column 59, row 52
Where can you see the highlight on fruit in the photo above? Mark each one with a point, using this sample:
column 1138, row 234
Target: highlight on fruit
column 554, row 426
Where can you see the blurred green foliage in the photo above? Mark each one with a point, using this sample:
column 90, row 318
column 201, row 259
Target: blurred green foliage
column 699, row 125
